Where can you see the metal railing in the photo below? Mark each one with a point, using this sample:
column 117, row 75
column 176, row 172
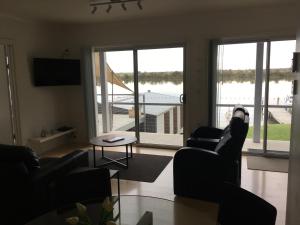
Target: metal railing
column 252, row 105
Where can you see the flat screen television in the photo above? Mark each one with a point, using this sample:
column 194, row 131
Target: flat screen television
column 55, row 72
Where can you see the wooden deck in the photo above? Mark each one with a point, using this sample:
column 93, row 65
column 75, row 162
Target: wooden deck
column 280, row 115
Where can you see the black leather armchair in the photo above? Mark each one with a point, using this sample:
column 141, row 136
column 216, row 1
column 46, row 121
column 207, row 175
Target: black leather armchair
column 27, row 183
column 208, row 137
column 200, row 172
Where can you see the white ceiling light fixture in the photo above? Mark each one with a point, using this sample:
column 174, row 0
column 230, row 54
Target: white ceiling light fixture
column 94, row 4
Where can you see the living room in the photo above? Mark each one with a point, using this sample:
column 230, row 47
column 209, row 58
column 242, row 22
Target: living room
column 48, row 34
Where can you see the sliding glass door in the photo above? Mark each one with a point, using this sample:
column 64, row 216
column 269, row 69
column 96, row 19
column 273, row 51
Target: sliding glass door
column 160, row 81
column 115, row 98
column 258, row 76
column 280, row 96
column 140, row 92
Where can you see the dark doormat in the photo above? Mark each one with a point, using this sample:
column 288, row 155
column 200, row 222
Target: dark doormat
column 141, row 167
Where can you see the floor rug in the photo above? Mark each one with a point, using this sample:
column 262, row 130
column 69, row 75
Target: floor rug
column 141, row 167
column 267, row 164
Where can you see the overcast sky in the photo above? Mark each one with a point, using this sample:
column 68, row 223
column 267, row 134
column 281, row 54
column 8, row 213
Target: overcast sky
column 154, row 60
column 243, row 56
column 235, row 56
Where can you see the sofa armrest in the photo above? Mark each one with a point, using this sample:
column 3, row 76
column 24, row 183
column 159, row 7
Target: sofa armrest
column 198, row 173
column 19, row 154
column 207, row 132
column 59, row 167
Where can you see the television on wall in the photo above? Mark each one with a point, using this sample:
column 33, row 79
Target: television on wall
column 56, row 72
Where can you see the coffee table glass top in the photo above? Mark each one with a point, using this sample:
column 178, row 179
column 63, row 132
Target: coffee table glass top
column 182, row 211
column 99, row 141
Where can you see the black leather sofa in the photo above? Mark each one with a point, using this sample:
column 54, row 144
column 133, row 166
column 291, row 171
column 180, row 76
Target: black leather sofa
column 200, row 172
column 31, row 186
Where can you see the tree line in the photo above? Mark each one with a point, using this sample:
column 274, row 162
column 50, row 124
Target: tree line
column 241, row 76
column 227, row 76
column 175, row 77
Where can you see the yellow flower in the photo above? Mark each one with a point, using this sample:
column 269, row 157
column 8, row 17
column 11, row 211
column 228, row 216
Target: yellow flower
column 81, row 208
column 72, row 220
column 107, row 205
column 110, row 223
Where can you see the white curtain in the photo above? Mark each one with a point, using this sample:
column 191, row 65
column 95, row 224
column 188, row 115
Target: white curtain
column 90, row 92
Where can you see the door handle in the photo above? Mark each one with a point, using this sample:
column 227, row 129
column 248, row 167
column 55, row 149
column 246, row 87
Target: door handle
column 182, row 98
column 295, row 87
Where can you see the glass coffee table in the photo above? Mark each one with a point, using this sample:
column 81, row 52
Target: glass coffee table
column 182, row 211
column 103, row 141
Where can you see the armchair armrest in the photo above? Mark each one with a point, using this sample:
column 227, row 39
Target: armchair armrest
column 204, row 143
column 58, row 168
column 201, row 163
column 207, row 132
column 198, row 173
column 83, row 184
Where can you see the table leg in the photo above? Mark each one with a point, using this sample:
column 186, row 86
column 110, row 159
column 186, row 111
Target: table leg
column 118, row 177
column 102, row 152
column 94, row 152
column 127, row 156
column 130, row 150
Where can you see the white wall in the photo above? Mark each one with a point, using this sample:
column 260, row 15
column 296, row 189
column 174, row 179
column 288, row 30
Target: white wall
column 40, row 107
column 49, row 107
column 195, row 31
column 293, row 200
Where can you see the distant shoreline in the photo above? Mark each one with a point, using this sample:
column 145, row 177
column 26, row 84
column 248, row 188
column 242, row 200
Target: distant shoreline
column 228, row 76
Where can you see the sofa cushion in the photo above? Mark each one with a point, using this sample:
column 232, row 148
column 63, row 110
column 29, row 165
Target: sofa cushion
column 15, row 154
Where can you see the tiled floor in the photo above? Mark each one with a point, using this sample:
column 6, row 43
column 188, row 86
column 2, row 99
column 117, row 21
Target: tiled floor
column 271, row 186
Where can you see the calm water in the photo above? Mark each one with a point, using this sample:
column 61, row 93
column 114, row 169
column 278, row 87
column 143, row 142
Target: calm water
column 230, row 93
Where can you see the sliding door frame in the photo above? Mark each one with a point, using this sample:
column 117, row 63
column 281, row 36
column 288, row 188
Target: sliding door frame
column 214, row 48
column 135, row 49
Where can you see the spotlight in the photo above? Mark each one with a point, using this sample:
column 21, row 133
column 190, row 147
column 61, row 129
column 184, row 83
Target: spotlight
column 108, row 8
column 124, row 6
column 95, row 4
column 140, row 5
column 94, row 9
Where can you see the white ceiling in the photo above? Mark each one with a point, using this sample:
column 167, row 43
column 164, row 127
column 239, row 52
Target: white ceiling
column 79, row 10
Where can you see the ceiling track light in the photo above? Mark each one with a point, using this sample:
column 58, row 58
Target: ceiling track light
column 96, row 3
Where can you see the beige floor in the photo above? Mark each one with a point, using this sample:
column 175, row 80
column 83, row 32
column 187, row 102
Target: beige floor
column 271, row 186
column 272, row 145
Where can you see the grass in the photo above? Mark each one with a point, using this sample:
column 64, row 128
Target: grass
column 280, row 132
